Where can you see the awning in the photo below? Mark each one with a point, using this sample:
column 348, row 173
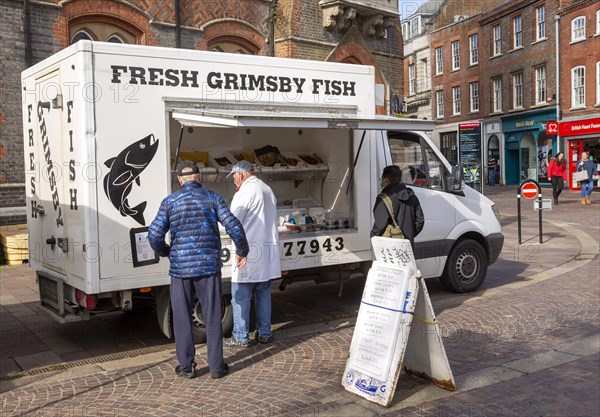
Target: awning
column 294, row 119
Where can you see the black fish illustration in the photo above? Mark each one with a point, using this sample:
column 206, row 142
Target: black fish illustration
column 124, row 170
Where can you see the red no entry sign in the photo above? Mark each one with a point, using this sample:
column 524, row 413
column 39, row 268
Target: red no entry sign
column 529, row 190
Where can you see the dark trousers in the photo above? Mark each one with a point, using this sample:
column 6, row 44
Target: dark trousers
column 557, row 186
column 208, row 290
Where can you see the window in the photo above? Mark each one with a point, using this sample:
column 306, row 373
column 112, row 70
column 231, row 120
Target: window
column 408, row 152
column 434, row 169
column 439, row 61
column 598, row 83
column 412, row 80
column 497, row 40
column 449, row 147
column 81, row 35
column 578, row 29
column 497, row 95
column 425, row 82
column 96, row 28
column 598, row 22
column 473, row 50
column 517, row 80
column 439, row 101
column 540, row 17
column 115, row 39
column 540, row 85
column 518, row 32
column 578, row 87
column 474, row 91
column 455, row 55
column 414, row 27
column 455, row 101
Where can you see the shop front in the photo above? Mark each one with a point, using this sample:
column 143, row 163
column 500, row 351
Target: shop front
column 581, row 135
column 493, row 152
column 527, row 147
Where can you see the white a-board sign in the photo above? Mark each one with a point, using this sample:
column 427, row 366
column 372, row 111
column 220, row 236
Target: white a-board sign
column 395, row 328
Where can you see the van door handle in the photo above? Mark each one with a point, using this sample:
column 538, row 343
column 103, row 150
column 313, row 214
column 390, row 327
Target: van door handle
column 39, row 210
column 51, row 241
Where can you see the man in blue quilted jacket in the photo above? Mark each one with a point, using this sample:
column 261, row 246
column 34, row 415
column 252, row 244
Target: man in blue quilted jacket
column 192, row 215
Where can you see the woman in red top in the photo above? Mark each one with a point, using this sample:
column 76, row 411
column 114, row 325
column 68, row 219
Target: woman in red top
column 557, row 172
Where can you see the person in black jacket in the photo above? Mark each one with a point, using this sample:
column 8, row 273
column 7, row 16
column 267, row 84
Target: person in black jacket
column 407, row 207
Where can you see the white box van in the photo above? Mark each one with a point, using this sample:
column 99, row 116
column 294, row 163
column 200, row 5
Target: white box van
column 105, row 126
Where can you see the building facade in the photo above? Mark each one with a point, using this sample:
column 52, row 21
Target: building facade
column 456, row 90
column 363, row 32
column 519, row 78
column 579, row 56
column 417, row 81
column 519, row 92
column 420, row 70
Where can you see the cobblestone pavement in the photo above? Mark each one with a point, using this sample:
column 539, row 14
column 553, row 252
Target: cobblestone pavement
column 526, row 344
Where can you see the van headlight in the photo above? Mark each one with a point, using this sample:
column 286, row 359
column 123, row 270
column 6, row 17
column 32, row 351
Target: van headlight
column 496, row 211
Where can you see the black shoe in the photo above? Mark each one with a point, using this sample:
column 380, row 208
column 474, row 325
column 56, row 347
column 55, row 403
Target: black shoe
column 263, row 339
column 189, row 374
column 233, row 342
column 217, row 375
column 556, row 202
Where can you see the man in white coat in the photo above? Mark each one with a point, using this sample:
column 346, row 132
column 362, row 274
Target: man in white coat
column 255, row 205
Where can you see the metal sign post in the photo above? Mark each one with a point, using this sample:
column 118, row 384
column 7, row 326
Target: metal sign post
column 529, row 189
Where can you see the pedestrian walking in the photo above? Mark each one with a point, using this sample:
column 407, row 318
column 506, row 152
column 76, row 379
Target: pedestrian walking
column 191, row 215
column 587, row 185
column 404, row 203
column 255, row 205
column 557, row 172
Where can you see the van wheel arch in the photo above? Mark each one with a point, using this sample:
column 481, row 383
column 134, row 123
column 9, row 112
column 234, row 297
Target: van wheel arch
column 466, row 266
column 198, row 329
column 165, row 316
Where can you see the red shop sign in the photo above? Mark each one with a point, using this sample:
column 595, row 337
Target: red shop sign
column 552, row 128
column 580, row 127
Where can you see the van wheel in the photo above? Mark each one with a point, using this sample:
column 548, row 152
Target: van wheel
column 198, row 328
column 465, row 267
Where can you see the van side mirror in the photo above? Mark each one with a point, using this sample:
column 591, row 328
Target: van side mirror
column 455, row 181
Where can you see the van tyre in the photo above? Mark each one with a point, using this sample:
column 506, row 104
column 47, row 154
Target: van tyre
column 198, row 329
column 466, row 267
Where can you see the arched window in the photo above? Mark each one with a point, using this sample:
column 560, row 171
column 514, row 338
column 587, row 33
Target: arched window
column 81, row 35
column 231, row 46
column 97, row 28
column 115, row 39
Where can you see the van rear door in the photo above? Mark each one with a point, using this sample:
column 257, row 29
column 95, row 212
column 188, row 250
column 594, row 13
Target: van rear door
column 48, row 116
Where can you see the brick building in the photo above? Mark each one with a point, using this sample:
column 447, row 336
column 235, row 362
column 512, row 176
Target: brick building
column 418, row 31
column 519, row 80
column 497, row 68
column 579, row 56
column 456, row 89
column 365, row 32
column 417, row 81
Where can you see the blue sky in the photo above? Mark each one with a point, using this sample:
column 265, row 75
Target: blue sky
column 408, row 7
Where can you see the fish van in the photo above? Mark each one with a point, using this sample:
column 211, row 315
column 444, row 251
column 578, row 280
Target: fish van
column 106, row 126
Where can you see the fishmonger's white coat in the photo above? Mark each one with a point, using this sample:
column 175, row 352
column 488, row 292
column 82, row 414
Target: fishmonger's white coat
column 255, row 205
